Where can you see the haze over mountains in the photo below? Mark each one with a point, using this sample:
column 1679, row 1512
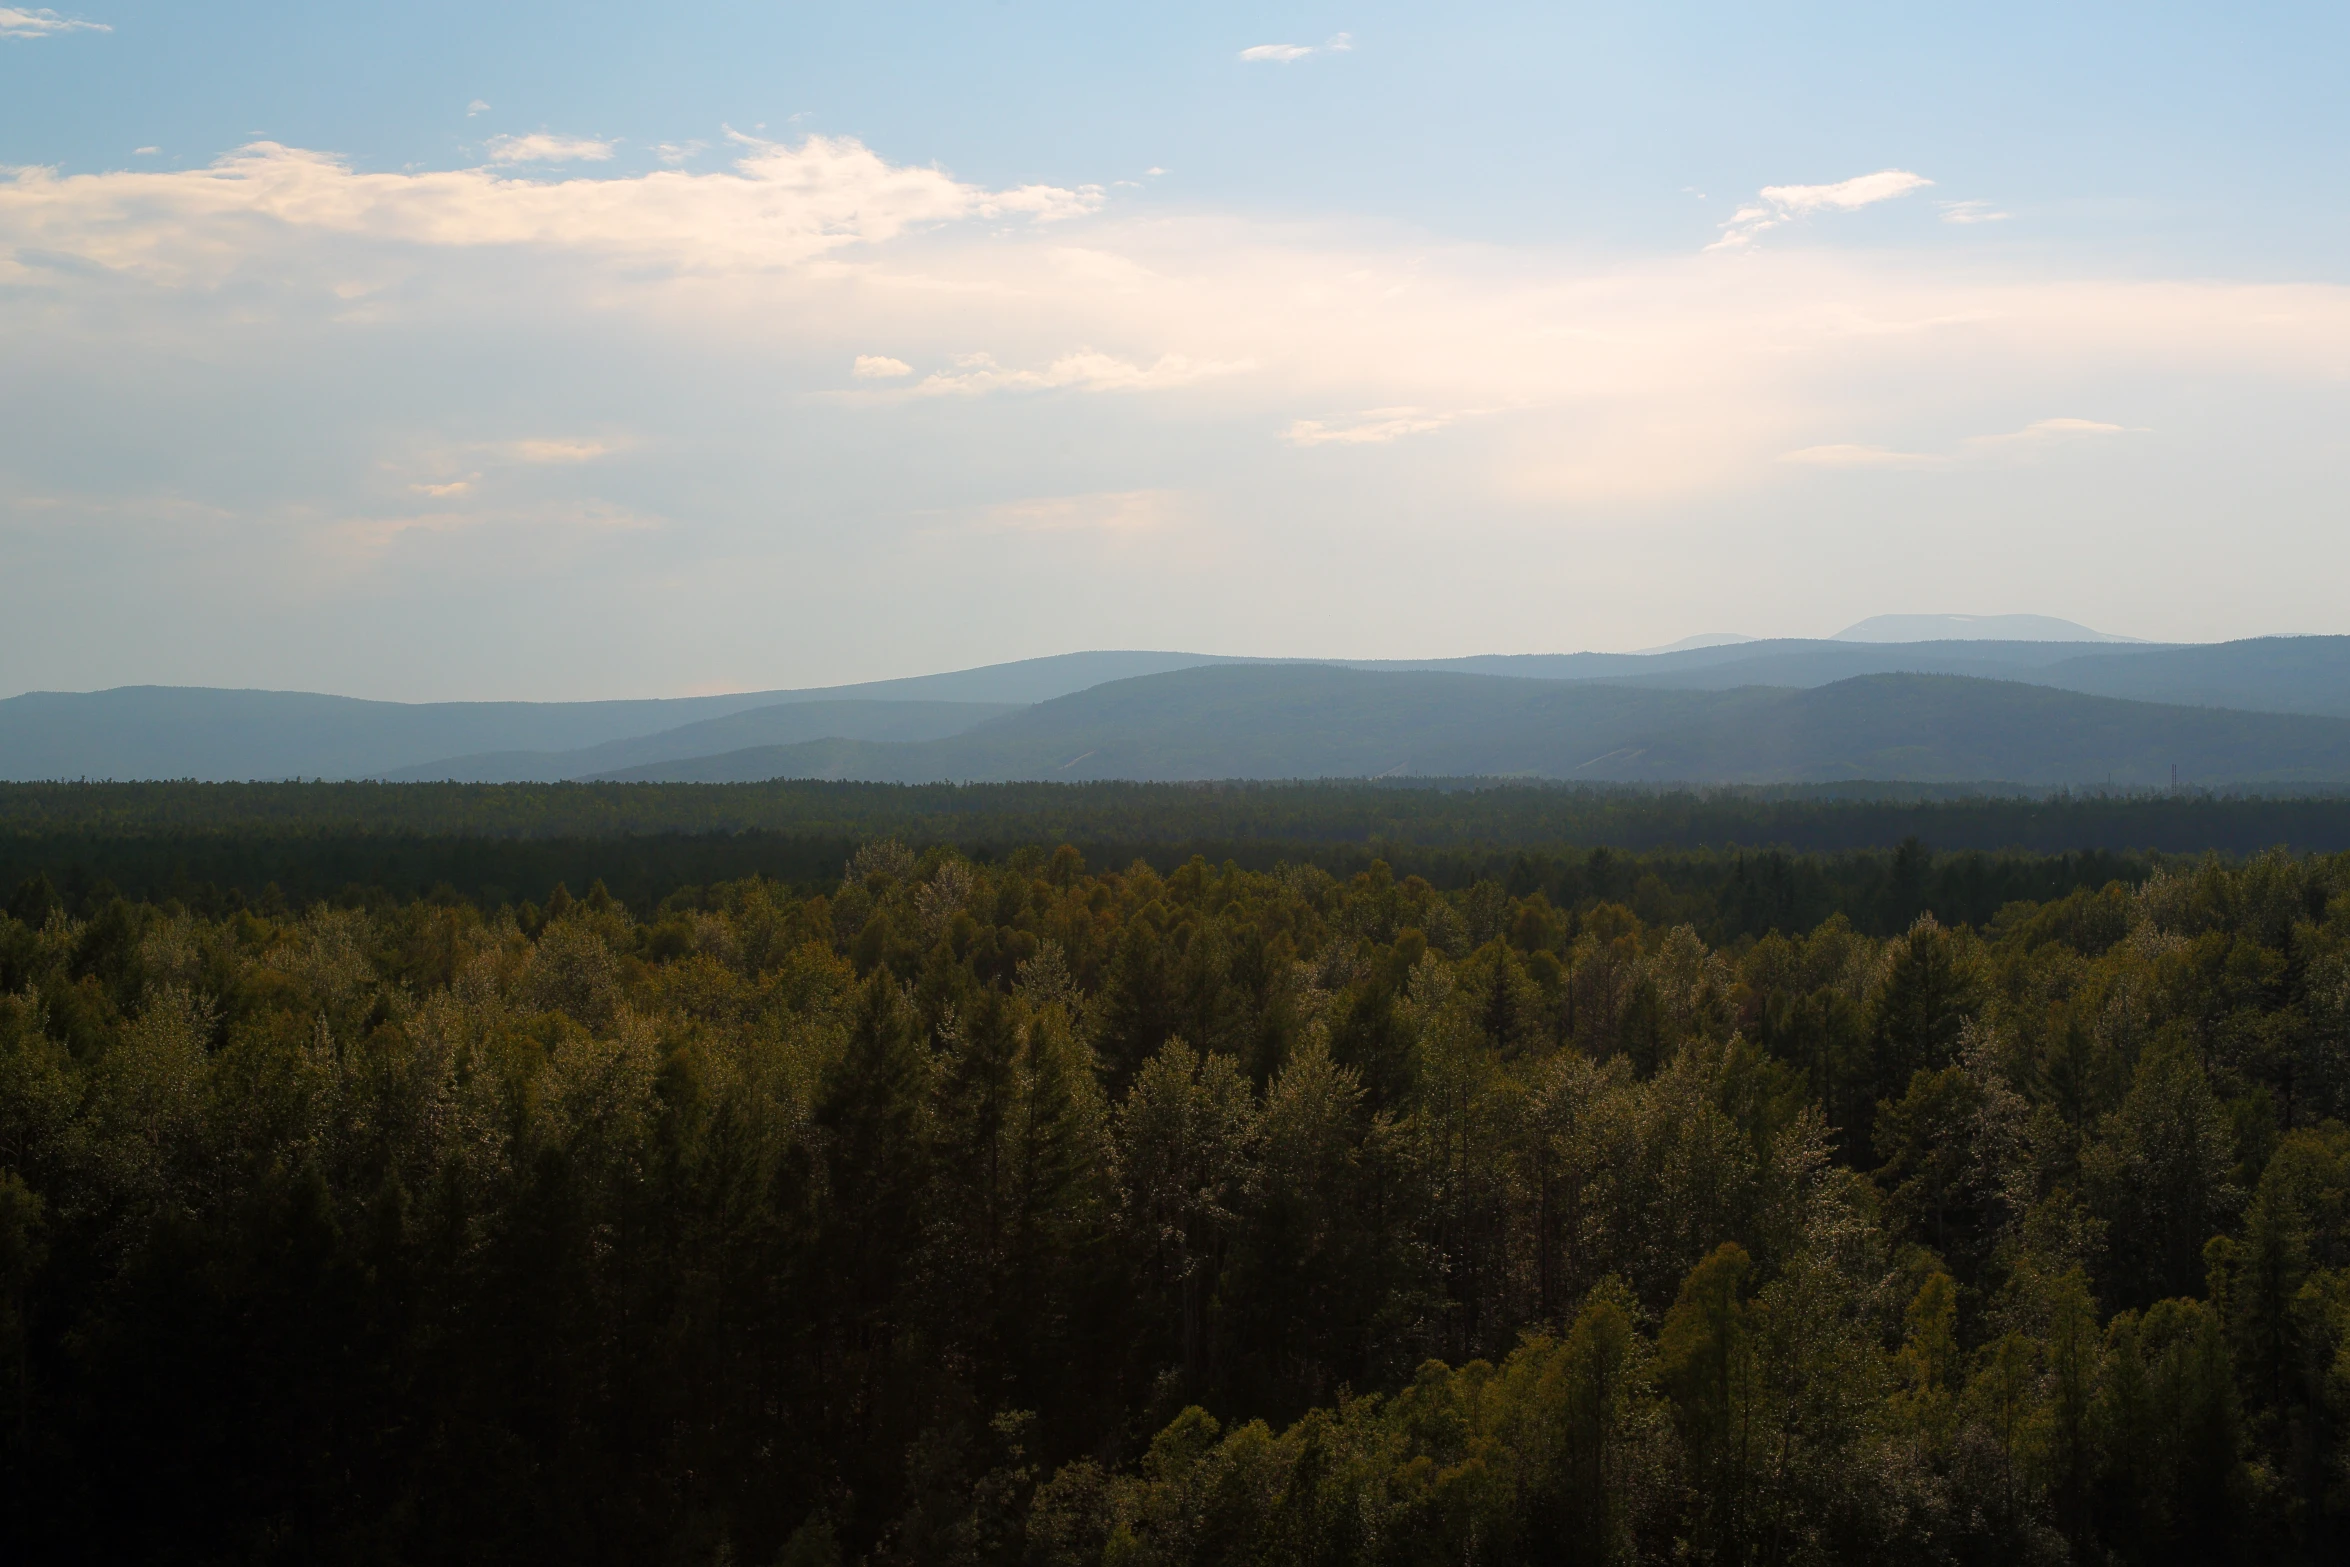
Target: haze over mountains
column 1994, row 709
column 1973, row 628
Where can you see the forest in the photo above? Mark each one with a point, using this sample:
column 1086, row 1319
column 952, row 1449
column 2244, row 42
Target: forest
column 1031, row 1207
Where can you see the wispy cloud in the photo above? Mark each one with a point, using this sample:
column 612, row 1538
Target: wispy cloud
column 1285, row 54
column 545, row 147
column 1972, row 212
column 478, row 106
column 675, row 153
column 1780, row 204
column 778, row 206
column 1084, row 370
column 16, row 22
column 1377, row 426
column 2040, row 432
column 145, row 152
column 879, row 367
column 368, row 537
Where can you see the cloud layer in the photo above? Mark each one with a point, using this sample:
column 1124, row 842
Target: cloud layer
column 730, row 409
column 779, row 206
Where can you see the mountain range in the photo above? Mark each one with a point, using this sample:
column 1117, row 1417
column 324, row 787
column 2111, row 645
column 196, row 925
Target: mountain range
column 2266, row 710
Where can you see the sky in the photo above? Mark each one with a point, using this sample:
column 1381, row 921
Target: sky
column 589, row 350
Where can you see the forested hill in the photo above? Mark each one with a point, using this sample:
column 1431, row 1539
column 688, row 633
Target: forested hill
column 774, row 724
column 159, row 732
column 1303, row 721
column 195, row 732
column 1036, row 1212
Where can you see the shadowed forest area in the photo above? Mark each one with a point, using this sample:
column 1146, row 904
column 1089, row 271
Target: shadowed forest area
column 965, row 1209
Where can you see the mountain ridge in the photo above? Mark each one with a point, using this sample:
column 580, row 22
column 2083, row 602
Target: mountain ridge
column 1268, row 722
column 207, row 733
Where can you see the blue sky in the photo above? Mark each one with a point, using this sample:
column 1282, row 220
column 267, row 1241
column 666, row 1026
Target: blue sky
column 597, row 350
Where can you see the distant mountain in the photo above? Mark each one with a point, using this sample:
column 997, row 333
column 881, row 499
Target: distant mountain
column 195, row 732
column 174, row 732
column 1702, row 639
column 1973, row 628
column 202, row 732
column 1764, row 661
column 1789, row 662
column 1947, row 729
column 1254, row 721
column 783, row 724
column 1306, row 721
column 2271, row 674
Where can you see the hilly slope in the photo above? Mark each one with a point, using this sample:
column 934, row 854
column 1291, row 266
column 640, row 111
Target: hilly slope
column 785, row 723
column 181, row 732
column 2260, row 674
column 209, row 733
column 1257, row 721
column 1945, row 729
column 1305, row 721
column 2267, row 674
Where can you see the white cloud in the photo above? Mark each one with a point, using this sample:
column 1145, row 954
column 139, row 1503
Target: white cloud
column 145, row 152
column 1972, row 212
column 1285, row 54
column 1376, row 427
column 448, row 491
column 1084, row 370
column 188, row 333
column 478, row 106
column 697, row 314
column 674, row 153
column 1783, row 203
column 778, row 206
column 17, row 22
column 2039, row 432
column 1845, row 195
column 879, row 367
column 2042, row 431
column 544, row 147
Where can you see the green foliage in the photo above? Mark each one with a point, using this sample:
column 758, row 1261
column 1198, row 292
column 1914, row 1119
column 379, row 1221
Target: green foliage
column 994, row 1210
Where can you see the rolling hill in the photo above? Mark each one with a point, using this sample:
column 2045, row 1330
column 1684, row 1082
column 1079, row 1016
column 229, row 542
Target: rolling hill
column 785, row 723
column 208, row 733
column 1305, row 721
column 181, row 732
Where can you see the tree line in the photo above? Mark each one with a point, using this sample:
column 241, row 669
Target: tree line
column 1723, row 893
column 1429, row 813
column 1031, row 1211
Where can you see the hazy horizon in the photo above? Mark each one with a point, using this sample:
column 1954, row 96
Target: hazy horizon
column 566, row 354
column 2092, row 642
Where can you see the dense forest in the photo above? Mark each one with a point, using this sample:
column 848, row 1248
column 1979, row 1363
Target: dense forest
column 1007, row 1208
column 1729, row 861
column 1421, row 812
